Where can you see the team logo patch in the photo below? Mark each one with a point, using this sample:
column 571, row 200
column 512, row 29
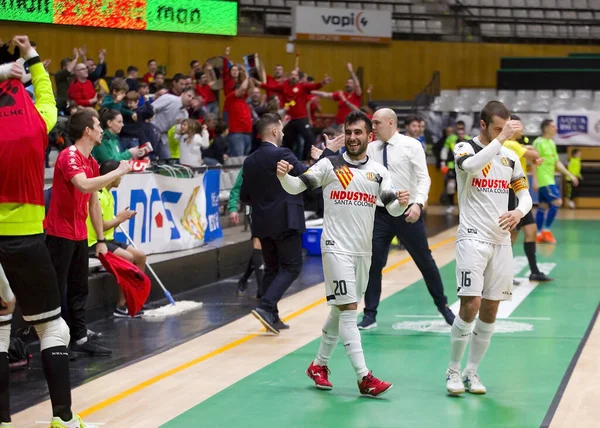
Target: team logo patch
column 504, row 161
column 486, row 170
column 371, row 176
column 344, row 176
column 460, row 155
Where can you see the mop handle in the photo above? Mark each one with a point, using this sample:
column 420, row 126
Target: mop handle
column 167, row 294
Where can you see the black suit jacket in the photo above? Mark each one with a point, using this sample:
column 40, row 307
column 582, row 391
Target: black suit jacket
column 273, row 209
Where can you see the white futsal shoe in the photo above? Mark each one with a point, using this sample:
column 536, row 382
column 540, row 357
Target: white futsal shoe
column 473, row 383
column 454, row 383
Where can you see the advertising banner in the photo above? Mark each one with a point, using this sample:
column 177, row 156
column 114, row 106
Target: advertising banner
column 183, row 16
column 341, row 25
column 171, row 212
column 577, row 128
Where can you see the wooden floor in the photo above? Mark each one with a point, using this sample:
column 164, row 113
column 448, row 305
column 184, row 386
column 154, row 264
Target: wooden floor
column 152, row 392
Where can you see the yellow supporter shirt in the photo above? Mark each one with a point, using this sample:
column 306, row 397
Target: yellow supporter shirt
column 107, row 203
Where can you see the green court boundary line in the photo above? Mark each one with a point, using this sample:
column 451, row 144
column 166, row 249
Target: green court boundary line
column 567, row 377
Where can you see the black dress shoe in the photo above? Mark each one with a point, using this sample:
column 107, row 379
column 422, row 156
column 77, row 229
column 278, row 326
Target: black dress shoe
column 281, row 325
column 447, row 314
column 91, row 349
column 540, row 277
column 267, row 319
column 242, row 287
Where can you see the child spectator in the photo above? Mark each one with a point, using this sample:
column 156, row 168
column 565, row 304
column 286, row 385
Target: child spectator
column 192, row 138
column 148, row 133
column 132, row 74
column 216, row 153
column 574, row 168
column 110, row 222
column 129, row 136
column 114, row 100
column 143, row 92
column 112, row 123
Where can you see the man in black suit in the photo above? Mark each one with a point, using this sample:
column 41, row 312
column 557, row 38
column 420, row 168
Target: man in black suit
column 277, row 218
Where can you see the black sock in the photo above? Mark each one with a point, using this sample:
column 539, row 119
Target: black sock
column 249, row 270
column 257, row 261
column 4, row 388
column 530, row 253
column 56, row 368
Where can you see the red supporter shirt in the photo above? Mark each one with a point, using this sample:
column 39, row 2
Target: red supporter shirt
column 82, row 93
column 228, row 82
column 68, row 206
column 205, row 92
column 271, row 81
column 148, row 78
column 343, row 108
column 294, row 96
column 313, row 107
column 240, row 117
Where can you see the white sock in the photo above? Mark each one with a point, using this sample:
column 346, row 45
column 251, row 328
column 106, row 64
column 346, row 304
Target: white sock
column 479, row 344
column 82, row 340
column 329, row 338
column 350, row 336
column 460, row 333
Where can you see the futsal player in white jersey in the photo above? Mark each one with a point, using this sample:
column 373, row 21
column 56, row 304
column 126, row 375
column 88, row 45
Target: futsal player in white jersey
column 351, row 184
column 484, row 260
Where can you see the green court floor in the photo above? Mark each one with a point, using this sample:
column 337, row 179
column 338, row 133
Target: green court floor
column 522, row 370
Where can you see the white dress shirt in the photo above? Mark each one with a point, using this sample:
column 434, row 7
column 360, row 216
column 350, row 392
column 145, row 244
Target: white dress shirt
column 407, row 165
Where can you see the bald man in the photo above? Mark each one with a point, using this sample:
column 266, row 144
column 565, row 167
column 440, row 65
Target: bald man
column 405, row 159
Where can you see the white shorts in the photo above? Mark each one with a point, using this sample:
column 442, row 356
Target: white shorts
column 346, row 277
column 484, row 269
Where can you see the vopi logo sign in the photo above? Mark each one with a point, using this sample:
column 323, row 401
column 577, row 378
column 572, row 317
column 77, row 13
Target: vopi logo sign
column 313, row 23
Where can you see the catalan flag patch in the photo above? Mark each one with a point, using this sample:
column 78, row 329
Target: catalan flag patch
column 486, row 170
column 344, row 175
column 519, row 184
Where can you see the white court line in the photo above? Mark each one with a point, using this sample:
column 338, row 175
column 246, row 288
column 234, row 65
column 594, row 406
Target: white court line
column 512, row 318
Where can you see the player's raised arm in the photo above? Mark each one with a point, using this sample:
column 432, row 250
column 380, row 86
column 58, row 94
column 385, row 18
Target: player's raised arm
column 316, row 176
column 395, row 201
column 468, row 161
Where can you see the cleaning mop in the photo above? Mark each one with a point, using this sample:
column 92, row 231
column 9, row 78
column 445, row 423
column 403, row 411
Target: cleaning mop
column 174, row 308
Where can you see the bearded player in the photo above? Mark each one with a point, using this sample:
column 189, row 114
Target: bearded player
column 351, row 184
column 484, row 260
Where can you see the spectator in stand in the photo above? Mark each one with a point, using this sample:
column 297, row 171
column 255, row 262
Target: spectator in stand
column 196, row 110
column 348, row 100
column 188, row 82
column 114, row 101
column 82, row 89
column 146, row 130
column 62, row 79
column 255, row 103
column 195, row 67
column 277, row 78
column 95, row 71
column 143, row 92
column 192, row 138
column 76, row 184
column 295, row 95
column 313, row 106
column 159, row 82
column 150, row 75
column 119, row 74
column 170, row 109
column 412, row 126
column 210, row 120
column 130, row 136
column 178, row 84
column 112, row 123
column 132, row 78
column 109, row 222
column 240, row 118
column 231, row 73
column 205, row 87
column 216, row 153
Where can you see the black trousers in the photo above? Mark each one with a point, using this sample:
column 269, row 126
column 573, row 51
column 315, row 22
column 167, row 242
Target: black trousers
column 291, row 132
column 283, row 261
column 414, row 239
column 71, row 264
